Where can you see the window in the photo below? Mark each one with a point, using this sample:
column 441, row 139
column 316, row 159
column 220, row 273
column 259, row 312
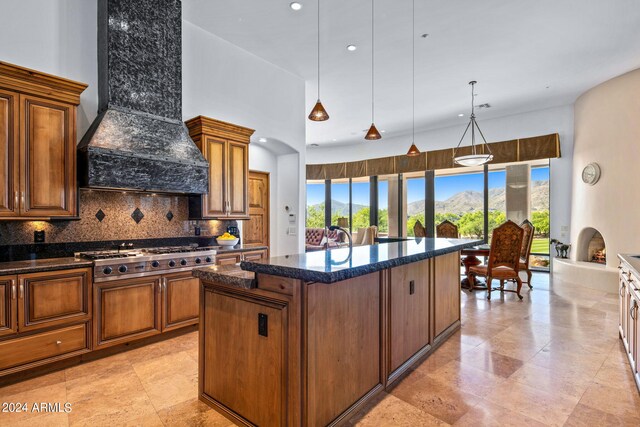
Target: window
column 340, row 201
column 459, row 198
column 540, row 216
column 414, row 208
column 315, row 204
column 360, row 203
column 388, row 221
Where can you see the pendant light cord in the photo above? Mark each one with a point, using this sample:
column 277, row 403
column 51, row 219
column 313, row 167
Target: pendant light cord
column 372, row 62
column 318, row 49
column 413, row 73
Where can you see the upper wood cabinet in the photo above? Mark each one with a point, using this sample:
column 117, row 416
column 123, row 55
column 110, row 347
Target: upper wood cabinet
column 226, row 148
column 37, row 144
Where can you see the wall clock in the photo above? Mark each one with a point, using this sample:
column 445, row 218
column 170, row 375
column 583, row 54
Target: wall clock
column 591, row 173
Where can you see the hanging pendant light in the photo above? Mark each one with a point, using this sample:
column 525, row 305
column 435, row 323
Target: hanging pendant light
column 318, row 113
column 475, row 158
column 372, row 133
column 413, row 150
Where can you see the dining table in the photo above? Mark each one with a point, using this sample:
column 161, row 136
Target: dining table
column 471, row 258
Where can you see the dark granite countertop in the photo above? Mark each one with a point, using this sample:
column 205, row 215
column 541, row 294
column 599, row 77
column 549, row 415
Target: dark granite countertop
column 239, row 248
column 339, row 264
column 37, row 265
column 228, row 274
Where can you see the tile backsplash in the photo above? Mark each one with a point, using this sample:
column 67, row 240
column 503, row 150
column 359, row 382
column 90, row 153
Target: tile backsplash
column 117, row 212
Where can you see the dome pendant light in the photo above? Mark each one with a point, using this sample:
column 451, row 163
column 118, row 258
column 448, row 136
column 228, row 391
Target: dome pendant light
column 413, row 150
column 318, row 113
column 475, row 158
column 373, row 133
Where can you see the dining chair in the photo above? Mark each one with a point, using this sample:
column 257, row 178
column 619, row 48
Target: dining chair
column 525, row 251
column 504, row 259
column 419, row 230
column 447, row 229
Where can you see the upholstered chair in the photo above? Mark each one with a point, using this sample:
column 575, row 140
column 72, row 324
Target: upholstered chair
column 419, row 230
column 525, row 251
column 504, row 259
column 447, row 230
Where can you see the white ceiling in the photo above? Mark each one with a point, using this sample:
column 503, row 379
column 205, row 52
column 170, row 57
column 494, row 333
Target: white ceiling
column 526, row 55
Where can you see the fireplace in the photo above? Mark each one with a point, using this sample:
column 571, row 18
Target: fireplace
column 591, row 247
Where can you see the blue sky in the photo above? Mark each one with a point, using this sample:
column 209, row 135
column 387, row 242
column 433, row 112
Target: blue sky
column 446, row 186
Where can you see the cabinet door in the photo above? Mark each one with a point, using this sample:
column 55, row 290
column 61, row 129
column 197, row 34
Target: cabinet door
column 180, row 299
column 254, row 255
column 8, row 296
column 9, row 154
column 48, row 158
column 226, row 259
column 446, row 291
column 627, row 317
column 254, row 334
column 622, row 313
column 126, row 310
column 214, row 202
column 636, row 329
column 409, row 309
column 238, row 196
column 53, row 298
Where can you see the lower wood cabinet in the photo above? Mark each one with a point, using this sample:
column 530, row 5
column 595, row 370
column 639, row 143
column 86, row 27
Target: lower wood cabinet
column 446, row 291
column 227, row 259
column 126, row 310
column 409, row 311
column 254, row 256
column 180, row 293
column 44, row 317
column 248, row 349
column 44, row 347
column 8, row 307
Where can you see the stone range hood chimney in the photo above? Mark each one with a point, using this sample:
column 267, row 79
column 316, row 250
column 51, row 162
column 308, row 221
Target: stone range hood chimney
column 138, row 141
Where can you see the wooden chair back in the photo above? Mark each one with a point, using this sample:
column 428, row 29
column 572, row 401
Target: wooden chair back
column 419, row 230
column 527, row 241
column 447, row 230
column 506, row 242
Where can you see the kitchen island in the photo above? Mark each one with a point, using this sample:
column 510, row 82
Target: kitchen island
column 308, row 339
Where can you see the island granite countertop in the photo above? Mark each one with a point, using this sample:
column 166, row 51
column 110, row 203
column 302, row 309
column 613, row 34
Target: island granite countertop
column 231, row 275
column 345, row 263
column 38, row 265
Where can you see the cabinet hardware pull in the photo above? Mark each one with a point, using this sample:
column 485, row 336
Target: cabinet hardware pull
column 620, row 267
column 164, row 284
column 412, row 287
column 13, row 289
column 621, row 289
column 58, row 342
column 22, row 196
column 21, row 290
column 17, row 201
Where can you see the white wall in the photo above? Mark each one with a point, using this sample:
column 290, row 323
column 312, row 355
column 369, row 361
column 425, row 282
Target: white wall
column 607, row 131
column 552, row 120
column 220, row 80
column 223, row 81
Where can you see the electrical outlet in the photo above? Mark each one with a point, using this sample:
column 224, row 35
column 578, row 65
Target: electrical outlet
column 38, row 236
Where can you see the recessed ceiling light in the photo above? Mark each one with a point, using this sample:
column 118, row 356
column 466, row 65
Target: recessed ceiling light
column 351, row 47
column 334, row 140
column 383, row 131
column 262, row 139
column 460, row 115
column 315, row 145
column 295, row 6
column 424, row 36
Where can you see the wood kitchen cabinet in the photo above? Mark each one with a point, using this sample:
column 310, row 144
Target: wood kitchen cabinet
column 409, row 311
column 126, row 310
column 226, row 148
column 37, row 144
column 254, row 256
column 44, row 317
column 446, row 292
column 256, row 328
column 227, row 259
column 8, row 307
column 180, row 293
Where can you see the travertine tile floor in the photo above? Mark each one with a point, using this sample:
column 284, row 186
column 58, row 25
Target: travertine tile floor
column 552, row 359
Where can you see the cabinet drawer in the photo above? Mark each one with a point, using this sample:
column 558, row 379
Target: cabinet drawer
column 43, row 346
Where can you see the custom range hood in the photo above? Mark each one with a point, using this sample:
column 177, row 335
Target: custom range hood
column 138, row 141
